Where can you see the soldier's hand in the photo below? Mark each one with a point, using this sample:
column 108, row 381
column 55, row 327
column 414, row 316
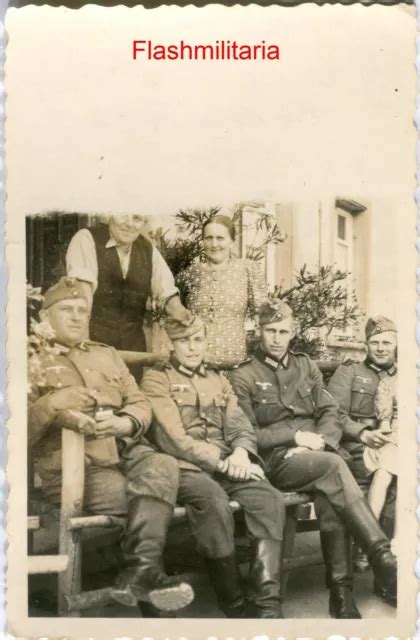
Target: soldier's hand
column 73, row 397
column 82, row 423
column 118, row 426
column 310, row 440
column 222, row 466
column 374, row 439
column 294, row 451
column 239, row 465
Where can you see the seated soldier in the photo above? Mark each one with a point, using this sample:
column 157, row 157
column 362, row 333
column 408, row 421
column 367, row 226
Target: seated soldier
column 196, row 419
column 296, row 421
column 354, row 386
column 87, row 387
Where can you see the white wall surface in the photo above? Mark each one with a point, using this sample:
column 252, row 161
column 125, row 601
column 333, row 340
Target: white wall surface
column 89, row 129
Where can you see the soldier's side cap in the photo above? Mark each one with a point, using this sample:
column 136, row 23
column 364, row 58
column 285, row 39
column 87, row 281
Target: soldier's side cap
column 274, row 311
column 378, row 324
column 66, row 288
column 176, row 330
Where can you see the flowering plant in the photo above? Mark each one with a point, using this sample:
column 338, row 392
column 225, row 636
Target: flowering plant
column 40, row 341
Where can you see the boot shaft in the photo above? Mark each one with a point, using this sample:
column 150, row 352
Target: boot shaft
column 144, row 538
column 265, row 578
column 226, row 582
column 337, row 553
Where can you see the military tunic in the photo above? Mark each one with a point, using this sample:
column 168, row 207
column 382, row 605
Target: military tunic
column 109, row 461
column 281, row 398
column 196, row 418
column 354, row 386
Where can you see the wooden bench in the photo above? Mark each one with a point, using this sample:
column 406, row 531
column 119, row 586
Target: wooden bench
column 68, row 562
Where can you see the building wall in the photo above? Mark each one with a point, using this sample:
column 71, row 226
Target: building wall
column 311, row 226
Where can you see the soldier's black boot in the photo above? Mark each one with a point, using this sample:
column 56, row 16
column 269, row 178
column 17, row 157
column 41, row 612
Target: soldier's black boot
column 225, row 579
column 367, row 532
column 143, row 577
column 336, row 549
column 265, row 578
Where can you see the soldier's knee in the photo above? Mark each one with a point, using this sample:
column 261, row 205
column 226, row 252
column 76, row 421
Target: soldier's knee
column 166, row 464
column 274, row 502
column 216, row 508
column 335, row 463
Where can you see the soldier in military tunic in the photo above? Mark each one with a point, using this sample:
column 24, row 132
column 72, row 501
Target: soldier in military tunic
column 87, row 387
column 354, row 386
column 196, row 418
column 298, row 434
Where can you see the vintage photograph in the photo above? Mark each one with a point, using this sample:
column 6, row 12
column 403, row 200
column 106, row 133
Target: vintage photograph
column 211, row 325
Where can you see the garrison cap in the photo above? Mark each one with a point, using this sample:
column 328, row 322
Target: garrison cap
column 378, row 324
column 274, row 311
column 66, row 288
column 177, row 330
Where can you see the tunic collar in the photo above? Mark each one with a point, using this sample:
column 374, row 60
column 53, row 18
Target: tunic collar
column 391, row 370
column 201, row 370
column 63, row 349
column 271, row 362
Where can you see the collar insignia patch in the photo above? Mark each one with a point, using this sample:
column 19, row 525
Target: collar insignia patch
column 271, row 362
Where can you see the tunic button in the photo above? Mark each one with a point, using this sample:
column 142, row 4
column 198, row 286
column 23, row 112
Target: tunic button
column 264, row 401
column 202, row 415
column 291, row 406
column 59, row 385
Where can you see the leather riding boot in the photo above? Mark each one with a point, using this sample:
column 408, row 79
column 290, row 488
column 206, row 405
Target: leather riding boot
column 336, row 549
column 366, row 531
column 143, row 544
column 225, row 579
column 384, row 594
column 265, row 578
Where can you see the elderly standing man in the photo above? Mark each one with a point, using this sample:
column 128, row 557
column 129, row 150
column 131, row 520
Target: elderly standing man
column 196, row 419
column 87, row 387
column 122, row 270
column 298, row 434
column 354, row 386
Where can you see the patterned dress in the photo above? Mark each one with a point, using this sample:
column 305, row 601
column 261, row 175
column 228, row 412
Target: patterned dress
column 223, row 298
column 386, row 457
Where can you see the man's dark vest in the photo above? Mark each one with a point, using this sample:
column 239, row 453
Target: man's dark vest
column 119, row 303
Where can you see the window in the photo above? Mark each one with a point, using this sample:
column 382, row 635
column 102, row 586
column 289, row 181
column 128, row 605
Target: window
column 343, row 243
column 341, row 227
column 343, row 258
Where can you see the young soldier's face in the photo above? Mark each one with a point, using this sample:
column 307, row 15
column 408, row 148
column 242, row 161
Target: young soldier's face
column 125, row 229
column 382, row 348
column 190, row 351
column 69, row 319
column 276, row 336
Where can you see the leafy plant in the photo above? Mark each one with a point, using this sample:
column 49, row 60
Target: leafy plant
column 187, row 247
column 321, row 302
column 40, row 341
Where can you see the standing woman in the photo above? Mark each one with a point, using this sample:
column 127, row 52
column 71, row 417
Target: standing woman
column 223, row 291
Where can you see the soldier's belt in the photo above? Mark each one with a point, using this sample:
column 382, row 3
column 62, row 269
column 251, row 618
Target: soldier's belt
column 368, row 422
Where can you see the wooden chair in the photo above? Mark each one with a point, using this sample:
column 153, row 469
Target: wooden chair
column 68, row 562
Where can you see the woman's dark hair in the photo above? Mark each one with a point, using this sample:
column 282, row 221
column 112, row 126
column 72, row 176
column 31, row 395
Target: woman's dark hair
column 223, row 220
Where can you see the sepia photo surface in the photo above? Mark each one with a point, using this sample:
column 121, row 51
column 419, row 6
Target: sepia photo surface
column 211, row 321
